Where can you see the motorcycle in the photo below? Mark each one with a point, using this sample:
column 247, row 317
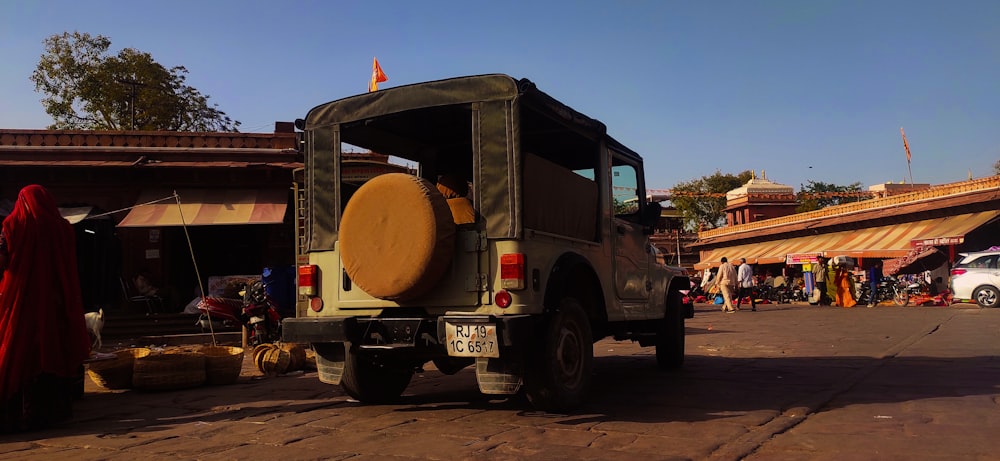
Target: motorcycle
column 781, row 294
column 888, row 289
column 256, row 312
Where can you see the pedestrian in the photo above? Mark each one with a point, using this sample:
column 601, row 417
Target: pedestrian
column 746, row 282
column 844, row 280
column 819, row 277
column 874, row 278
column 43, row 336
column 726, row 281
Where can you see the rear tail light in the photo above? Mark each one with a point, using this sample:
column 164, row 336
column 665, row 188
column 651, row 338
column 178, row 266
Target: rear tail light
column 308, row 280
column 503, row 299
column 955, row 272
column 512, row 271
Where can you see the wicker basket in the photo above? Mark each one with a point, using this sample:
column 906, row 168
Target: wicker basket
column 222, row 364
column 271, row 359
column 169, row 370
column 297, row 355
column 117, row 372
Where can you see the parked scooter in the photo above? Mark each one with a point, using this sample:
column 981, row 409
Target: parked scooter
column 256, row 312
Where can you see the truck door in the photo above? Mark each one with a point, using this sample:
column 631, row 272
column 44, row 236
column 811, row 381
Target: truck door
column 631, row 258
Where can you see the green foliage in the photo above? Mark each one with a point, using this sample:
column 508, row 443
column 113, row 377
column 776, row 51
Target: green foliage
column 86, row 89
column 816, row 195
column 702, row 201
column 622, row 208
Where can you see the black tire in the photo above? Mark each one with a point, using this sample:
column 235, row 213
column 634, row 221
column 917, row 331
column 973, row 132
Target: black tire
column 901, row 297
column 370, row 380
column 670, row 335
column 986, row 296
column 559, row 378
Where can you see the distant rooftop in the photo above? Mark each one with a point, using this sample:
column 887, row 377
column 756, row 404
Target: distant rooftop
column 759, row 186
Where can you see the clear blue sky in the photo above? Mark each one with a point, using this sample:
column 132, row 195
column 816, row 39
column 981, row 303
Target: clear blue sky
column 806, row 90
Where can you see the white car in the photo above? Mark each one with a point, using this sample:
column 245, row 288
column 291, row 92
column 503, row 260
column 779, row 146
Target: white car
column 976, row 278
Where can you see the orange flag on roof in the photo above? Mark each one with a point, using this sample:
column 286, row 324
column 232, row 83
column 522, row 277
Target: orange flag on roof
column 905, row 144
column 377, row 76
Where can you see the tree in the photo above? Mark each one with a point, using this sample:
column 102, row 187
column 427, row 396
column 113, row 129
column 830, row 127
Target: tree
column 86, row 89
column 996, row 167
column 702, row 201
column 817, row 195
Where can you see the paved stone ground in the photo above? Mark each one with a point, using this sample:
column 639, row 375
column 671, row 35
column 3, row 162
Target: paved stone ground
column 786, row 382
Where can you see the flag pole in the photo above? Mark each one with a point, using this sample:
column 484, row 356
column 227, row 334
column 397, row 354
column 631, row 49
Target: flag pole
column 906, row 146
column 910, row 170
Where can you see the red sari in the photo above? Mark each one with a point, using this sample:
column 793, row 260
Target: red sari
column 43, row 336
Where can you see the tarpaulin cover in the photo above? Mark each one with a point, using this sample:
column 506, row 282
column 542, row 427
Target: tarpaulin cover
column 915, row 262
column 412, row 119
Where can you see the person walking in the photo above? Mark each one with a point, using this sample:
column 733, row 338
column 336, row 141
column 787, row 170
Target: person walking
column 745, row 279
column 43, row 335
column 819, row 276
column 874, row 278
column 726, row 281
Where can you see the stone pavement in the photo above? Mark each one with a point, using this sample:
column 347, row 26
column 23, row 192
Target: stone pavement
column 786, row 382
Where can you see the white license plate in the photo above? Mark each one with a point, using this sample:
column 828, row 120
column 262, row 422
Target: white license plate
column 472, row 340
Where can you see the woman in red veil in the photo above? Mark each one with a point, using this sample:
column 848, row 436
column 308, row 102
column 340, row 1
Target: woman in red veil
column 43, row 336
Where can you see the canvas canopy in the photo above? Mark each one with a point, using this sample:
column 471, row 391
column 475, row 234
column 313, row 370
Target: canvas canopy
column 414, row 121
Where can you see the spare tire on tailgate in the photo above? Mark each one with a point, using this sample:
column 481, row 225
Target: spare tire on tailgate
column 397, row 237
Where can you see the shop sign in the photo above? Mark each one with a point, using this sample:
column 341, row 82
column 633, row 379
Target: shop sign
column 937, row 241
column 802, row 258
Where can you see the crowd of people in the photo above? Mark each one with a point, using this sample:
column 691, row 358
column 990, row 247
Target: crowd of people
column 835, row 283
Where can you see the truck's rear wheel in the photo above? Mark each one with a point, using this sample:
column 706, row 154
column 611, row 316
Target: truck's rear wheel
column 370, row 380
column 559, row 377
column 670, row 334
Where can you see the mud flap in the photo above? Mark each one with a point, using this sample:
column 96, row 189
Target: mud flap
column 330, row 360
column 498, row 376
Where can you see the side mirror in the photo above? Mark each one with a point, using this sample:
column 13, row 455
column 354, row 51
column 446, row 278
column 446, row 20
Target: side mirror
column 651, row 214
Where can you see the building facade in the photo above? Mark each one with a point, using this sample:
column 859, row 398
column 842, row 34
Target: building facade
column 956, row 217
column 177, row 207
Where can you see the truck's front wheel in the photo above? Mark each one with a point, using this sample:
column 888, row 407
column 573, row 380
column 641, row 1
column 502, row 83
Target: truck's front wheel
column 371, row 380
column 670, row 334
column 559, row 377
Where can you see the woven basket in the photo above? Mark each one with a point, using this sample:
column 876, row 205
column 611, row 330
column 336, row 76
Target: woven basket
column 297, row 355
column 169, row 370
column 117, row 372
column 222, row 364
column 271, row 359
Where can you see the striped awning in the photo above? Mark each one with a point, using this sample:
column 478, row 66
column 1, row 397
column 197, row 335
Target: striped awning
column 877, row 242
column 75, row 214
column 207, row 207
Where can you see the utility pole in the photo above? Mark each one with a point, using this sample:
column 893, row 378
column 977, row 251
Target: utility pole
column 678, row 232
column 133, row 84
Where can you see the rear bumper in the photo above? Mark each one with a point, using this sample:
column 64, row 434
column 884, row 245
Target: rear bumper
column 512, row 331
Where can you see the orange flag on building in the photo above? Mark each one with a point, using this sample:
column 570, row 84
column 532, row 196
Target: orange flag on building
column 377, row 76
column 906, row 145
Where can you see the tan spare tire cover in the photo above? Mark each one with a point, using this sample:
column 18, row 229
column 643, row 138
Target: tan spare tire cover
column 397, row 237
